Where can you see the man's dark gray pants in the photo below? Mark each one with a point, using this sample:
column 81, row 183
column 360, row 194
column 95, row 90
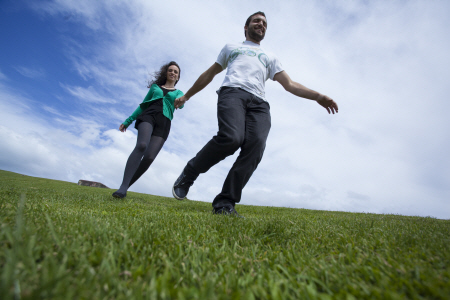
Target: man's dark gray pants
column 244, row 122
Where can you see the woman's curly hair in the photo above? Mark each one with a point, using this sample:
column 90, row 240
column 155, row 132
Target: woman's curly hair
column 160, row 77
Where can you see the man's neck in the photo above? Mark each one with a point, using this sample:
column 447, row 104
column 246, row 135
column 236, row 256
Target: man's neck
column 251, row 40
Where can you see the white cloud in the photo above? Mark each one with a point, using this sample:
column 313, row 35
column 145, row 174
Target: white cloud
column 31, row 72
column 87, row 94
column 2, row 76
column 385, row 63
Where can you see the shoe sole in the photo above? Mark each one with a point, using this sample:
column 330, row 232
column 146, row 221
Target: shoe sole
column 222, row 213
column 230, row 215
column 118, row 196
column 175, row 195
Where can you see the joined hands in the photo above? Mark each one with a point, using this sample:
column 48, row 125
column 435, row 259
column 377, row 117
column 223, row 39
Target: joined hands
column 180, row 101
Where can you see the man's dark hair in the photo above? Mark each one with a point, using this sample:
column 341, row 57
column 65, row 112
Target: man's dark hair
column 250, row 18
column 160, row 77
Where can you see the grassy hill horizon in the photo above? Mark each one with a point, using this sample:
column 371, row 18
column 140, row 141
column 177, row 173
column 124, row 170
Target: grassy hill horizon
column 59, row 240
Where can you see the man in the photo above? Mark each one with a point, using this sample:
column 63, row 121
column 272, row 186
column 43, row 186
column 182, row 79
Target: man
column 242, row 111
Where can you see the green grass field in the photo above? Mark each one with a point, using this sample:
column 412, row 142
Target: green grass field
column 59, row 240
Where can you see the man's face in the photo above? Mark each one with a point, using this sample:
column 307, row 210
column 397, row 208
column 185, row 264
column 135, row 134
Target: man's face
column 256, row 29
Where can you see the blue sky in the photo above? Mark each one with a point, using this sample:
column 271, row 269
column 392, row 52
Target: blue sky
column 72, row 71
column 30, row 54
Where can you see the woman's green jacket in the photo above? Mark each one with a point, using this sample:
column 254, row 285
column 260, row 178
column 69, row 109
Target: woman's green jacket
column 153, row 94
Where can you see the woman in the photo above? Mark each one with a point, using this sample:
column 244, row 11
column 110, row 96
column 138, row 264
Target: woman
column 153, row 118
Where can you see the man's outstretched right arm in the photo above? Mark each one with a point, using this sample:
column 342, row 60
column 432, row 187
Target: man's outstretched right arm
column 200, row 84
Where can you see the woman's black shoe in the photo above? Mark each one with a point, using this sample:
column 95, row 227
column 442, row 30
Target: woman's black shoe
column 119, row 195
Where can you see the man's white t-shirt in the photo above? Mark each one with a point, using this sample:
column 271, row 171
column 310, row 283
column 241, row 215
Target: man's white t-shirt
column 249, row 66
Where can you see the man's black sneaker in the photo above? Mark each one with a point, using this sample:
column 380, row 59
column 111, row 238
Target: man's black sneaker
column 226, row 210
column 181, row 186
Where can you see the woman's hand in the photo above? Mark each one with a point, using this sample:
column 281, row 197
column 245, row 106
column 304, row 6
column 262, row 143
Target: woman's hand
column 328, row 103
column 122, row 128
column 180, row 101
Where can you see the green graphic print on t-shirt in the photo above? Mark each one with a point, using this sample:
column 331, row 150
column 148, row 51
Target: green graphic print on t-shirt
column 249, row 52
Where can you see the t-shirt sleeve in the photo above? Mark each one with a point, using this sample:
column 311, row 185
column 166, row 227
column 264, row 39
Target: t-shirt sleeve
column 222, row 59
column 275, row 67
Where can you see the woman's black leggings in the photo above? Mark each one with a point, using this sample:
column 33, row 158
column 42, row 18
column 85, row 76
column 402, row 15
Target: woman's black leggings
column 145, row 152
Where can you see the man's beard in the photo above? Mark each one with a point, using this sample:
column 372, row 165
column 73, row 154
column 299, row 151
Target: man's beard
column 254, row 36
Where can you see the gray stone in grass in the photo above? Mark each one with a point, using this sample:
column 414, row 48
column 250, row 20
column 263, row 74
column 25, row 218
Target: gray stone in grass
column 92, row 183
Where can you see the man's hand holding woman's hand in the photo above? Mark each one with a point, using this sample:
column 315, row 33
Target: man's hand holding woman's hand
column 180, row 101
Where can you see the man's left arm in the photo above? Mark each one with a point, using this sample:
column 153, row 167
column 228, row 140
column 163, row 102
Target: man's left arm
column 300, row 90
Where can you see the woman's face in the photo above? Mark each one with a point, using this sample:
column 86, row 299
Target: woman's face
column 173, row 73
